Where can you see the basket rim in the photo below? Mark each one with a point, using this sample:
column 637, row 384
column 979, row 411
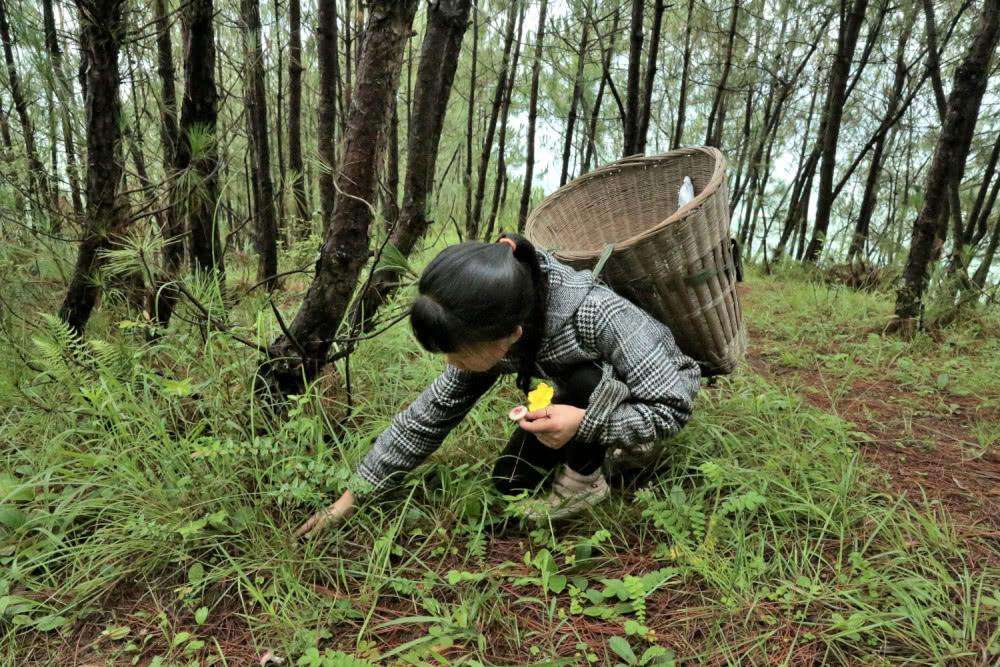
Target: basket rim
column 631, row 162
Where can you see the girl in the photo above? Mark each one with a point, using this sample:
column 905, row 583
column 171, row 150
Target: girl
column 505, row 307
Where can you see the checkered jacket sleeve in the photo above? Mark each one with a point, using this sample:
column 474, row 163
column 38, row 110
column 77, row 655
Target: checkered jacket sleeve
column 417, row 431
column 648, row 387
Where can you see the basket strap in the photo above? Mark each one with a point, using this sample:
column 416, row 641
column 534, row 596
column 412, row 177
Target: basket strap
column 692, row 279
column 602, row 260
column 705, row 275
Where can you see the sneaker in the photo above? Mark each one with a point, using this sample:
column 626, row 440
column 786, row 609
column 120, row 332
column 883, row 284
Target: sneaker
column 630, row 467
column 633, row 457
column 571, row 493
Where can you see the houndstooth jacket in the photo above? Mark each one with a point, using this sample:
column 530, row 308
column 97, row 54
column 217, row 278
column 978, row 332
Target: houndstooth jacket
column 646, row 391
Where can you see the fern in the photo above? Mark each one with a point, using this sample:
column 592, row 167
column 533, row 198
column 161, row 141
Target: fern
column 680, row 516
column 59, row 348
column 748, row 501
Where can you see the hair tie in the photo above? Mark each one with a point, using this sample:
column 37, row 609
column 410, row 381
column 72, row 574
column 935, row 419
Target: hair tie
column 505, row 240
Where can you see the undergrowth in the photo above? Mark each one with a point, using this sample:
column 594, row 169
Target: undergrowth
column 147, row 508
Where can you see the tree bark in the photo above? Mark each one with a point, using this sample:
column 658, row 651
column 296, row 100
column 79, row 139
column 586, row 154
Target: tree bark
column 948, row 163
column 101, row 29
column 295, row 117
column 953, row 205
column 39, row 179
column 165, row 295
column 197, row 149
column 5, row 135
column 591, row 150
column 255, row 96
column 281, row 217
column 327, row 57
column 713, row 136
column 975, row 230
column 65, row 96
column 529, row 159
column 647, row 96
column 447, row 21
column 630, row 122
column 983, row 272
column 299, row 356
column 847, row 40
column 500, row 182
column 574, row 103
column 348, row 59
column 685, row 70
column 868, row 199
column 472, row 225
column 390, row 198
column 470, row 118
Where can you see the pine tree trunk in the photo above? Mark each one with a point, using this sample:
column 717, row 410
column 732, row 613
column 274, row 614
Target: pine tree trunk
column 165, row 296
column 868, row 199
column 685, row 73
column 472, row 225
column 948, row 163
column 255, row 95
column 295, row 117
column 301, row 355
column 65, row 96
column 5, row 137
column 447, row 21
column 630, row 121
column 529, row 159
column 281, row 216
column 348, row 60
column 791, row 224
column 339, row 87
column 327, row 57
column 470, row 118
column 647, row 96
column 983, row 272
column 713, row 136
column 975, row 230
column 591, row 150
column 850, row 28
column 500, row 182
column 390, row 198
column 197, row 149
column 101, row 29
column 574, row 103
column 39, row 179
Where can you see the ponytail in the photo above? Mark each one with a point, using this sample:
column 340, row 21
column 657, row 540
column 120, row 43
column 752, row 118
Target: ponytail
column 534, row 328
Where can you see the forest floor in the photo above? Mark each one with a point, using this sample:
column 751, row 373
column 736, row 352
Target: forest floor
column 834, row 501
column 934, row 437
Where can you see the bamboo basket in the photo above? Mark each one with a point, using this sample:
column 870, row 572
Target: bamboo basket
column 677, row 264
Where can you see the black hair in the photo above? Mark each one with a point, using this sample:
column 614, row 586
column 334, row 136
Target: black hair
column 476, row 292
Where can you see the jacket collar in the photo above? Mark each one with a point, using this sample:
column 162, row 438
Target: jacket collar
column 567, row 290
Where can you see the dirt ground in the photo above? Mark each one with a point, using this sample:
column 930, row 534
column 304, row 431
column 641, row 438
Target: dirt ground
column 926, row 450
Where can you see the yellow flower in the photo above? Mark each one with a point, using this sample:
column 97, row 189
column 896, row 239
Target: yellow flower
column 540, row 397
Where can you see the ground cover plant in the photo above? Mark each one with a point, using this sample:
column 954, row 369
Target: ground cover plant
column 148, row 504
column 212, row 213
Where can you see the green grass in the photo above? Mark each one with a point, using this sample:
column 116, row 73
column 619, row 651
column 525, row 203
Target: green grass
column 146, row 511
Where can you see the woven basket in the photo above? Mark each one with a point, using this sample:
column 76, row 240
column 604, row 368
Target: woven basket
column 677, row 264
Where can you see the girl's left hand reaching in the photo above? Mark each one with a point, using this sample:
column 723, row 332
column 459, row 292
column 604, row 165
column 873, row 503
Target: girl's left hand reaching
column 333, row 515
column 554, row 425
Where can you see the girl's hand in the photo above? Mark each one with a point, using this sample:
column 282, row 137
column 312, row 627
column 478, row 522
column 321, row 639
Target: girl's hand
column 554, row 425
column 333, row 515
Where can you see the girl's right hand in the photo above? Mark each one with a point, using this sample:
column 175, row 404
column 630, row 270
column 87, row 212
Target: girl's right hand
column 333, row 515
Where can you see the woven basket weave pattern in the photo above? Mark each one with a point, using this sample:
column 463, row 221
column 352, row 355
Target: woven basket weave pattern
column 677, row 264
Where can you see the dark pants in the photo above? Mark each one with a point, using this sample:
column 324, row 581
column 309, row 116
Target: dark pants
column 526, row 462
